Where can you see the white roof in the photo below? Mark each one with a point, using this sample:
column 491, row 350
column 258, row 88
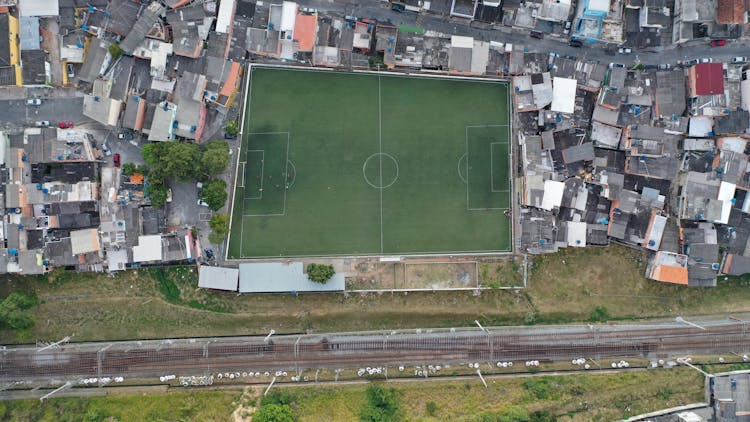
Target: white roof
column 553, row 193
column 288, row 16
column 457, row 41
column 733, row 144
column 224, row 16
column 654, row 236
column 277, row 277
column 599, row 5
column 700, row 126
column 117, row 259
column 84, row 241
column 147, row 249
column 563, row 95
column 726, row 193
column 38, row 8
column 576, row 234
column 218, row 278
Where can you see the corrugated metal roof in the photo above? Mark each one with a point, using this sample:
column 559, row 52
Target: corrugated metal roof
column 273, row 277
column 218, row 278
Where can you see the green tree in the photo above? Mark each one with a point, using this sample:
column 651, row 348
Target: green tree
column 232, row 128
column 273, row 412
column 115, row 50
column 214, row 193
column 320, row 273
column 219, row 224
column 215, row 157
column 129, row 168
column 157, row 193
column 14, row 311
column 382, row 405
column 171, row 160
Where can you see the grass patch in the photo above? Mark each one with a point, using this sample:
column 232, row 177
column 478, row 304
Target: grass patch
column 573, row 397
column 202, row 406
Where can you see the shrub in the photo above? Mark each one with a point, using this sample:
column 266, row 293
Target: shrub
column 599, row 314
column 382, row 405
column 320, row 273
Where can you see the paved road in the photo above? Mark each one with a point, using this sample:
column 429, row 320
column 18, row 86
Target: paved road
column 379, row 10
column 15, row 113
column 602, row 343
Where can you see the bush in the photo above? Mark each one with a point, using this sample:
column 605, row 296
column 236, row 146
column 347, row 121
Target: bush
column 274, row 413
column 232, row 128
column 128, row 169
column 219, row 224
column 431, row 408
column 115, row 50
column 320, row 273
column 214, row 193
column 14, row 311
column 382, row 405
column 599, row 314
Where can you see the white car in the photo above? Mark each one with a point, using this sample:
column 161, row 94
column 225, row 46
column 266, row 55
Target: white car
column 202, row 203
column 41, row 123
column 34, row 101
column 625, row 50
column 739, row 60
column 706, row 60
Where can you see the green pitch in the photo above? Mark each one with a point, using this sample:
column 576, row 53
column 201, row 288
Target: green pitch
column 366, row 164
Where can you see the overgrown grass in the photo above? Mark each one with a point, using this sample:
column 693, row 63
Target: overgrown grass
column 202, row 406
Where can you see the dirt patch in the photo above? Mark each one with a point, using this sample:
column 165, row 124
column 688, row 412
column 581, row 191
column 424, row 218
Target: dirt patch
column 247, row 405
column 450, row 275
column 501, row 272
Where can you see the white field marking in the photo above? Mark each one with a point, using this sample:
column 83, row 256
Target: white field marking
column 380, row 150
column 286, row 170
column 468, row 202
column 262, row 170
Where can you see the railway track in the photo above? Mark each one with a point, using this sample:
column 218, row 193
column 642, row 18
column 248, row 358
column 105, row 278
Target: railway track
column 200, row 356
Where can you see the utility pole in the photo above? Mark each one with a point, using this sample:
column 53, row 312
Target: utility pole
column 55, row 344
column 56, row 390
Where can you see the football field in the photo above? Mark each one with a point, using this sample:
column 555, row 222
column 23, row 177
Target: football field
column 347, row 164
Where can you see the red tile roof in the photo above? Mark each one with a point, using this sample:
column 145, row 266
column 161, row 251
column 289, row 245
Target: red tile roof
column 730, row 11
column 709, row 79
column 304, row 31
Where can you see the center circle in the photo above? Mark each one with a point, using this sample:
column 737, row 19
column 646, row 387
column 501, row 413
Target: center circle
column 380, row 170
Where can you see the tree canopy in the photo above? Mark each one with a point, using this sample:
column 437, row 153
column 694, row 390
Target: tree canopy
column 320, row 273
column 171, row 160
column 158, row 194
column 382, row 405
column 214, row 193
column 215, row 157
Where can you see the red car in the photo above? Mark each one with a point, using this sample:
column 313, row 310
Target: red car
column 65, row 125
column 116, row 160
column 718, row 43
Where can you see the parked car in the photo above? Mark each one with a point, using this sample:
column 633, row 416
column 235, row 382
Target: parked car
column 614, row 65
column 71, row 71
column 41, row 123
column 536, row 34
column 566, row 29
column 116, row 159
column 125, row 135
column 624, row 50
column 706, row 60
column 202, row 203
column 665, row 66
column 718, row 43
column 34, row 101
column 739, row 60
column 575, row 43
column 65, row 125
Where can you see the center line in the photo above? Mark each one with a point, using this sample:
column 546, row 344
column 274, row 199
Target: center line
column 380, row 140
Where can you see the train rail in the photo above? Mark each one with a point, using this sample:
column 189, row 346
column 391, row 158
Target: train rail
column 342, row 350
